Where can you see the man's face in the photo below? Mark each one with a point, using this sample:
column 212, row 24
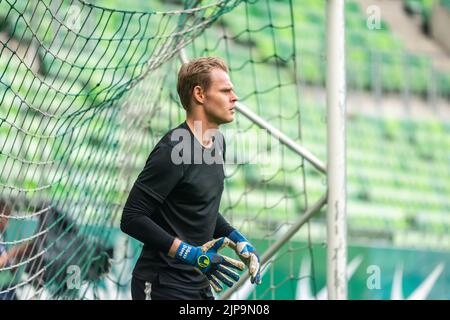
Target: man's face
column 219, row 99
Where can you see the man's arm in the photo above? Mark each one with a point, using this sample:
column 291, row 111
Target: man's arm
column 141, row 227
column 159, row 176
column 223, row 227
column 174, row 247
column 136, row 221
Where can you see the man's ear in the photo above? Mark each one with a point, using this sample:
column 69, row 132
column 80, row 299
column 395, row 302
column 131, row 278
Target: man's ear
column 198, row 94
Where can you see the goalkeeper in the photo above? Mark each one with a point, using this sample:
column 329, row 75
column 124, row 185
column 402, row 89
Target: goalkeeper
column 173, row 205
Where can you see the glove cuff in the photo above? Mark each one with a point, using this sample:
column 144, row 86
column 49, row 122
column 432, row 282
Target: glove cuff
column 236, row 237
column 187, row 253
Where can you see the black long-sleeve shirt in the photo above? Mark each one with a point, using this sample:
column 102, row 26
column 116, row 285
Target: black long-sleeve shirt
column 177, row 194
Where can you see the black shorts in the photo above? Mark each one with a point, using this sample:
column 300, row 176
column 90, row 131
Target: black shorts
column 145, row 290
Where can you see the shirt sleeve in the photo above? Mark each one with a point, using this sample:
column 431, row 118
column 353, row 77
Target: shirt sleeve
column 223, row 228
column 160, row 174
column 137, row 222
column 153, row 185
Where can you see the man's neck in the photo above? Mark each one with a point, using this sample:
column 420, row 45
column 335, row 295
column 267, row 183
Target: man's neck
column 203, row 129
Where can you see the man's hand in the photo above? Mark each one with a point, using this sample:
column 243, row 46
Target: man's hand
column 248, row 254
column 216, row 267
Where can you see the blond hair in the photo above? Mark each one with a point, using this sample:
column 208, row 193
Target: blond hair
column 196, row 73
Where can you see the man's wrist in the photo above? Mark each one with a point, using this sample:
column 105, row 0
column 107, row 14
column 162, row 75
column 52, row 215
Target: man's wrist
column 187, row 253
column 236, row 237
column 174, row 247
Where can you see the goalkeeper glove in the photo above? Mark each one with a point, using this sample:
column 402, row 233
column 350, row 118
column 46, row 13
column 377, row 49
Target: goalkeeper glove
column 248, row 254
column 206, row 259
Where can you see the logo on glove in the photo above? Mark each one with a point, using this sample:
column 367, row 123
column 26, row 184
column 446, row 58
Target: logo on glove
column 203, row 261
